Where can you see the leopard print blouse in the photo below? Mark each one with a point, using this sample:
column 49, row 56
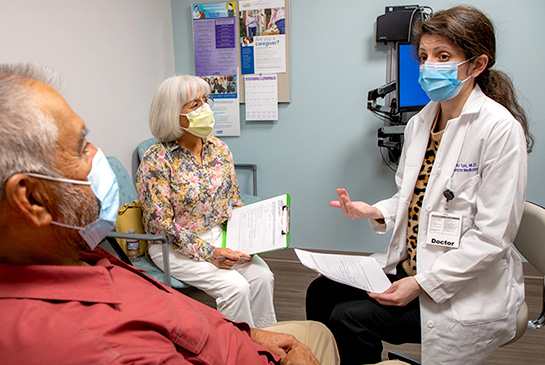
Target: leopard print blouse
column 409, row 264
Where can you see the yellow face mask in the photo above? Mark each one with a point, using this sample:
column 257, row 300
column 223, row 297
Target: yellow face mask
column 201, row 121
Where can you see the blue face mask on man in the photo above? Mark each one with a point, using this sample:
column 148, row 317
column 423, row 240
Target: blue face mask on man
column 104, row 185
column 440, row 80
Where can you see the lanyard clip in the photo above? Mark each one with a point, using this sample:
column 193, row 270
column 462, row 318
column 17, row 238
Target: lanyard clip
column 449, row 195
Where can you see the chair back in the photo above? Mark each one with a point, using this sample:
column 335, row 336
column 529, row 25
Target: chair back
column 127, row 191
column 530, row 240
column 127, row 195
column 144, row 146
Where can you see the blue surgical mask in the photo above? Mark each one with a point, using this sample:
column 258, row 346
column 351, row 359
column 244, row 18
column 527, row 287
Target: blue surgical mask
column 104, row 185
column 440, row 80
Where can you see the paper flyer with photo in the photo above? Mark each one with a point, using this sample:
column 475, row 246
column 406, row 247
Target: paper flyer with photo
column 226, row 108
column 214, row 38
column 263, row 36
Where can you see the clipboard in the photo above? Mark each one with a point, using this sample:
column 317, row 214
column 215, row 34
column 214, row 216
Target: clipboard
column 258, row 227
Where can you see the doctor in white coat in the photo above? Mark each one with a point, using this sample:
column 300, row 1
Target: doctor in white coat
column 461, row 188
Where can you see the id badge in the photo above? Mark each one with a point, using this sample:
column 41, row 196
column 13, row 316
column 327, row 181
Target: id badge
column 444, row 229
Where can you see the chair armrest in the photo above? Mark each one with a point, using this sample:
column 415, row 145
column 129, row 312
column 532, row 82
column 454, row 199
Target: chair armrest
column 111, row 237
column 254, row 171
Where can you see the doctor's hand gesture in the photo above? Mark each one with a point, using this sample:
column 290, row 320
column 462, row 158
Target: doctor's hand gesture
column 355, row 210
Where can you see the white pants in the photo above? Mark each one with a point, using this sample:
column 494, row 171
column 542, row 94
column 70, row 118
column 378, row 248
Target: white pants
column 243, row 293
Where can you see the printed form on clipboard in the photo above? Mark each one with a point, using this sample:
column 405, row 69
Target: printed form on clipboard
column 259, row 227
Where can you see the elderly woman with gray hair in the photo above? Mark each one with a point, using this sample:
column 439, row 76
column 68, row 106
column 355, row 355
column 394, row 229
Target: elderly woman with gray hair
column 188, row 187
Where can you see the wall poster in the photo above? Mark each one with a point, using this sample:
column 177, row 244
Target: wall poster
column 215, row 47
column 224, row 91
column 214, row 39
column 262, row 36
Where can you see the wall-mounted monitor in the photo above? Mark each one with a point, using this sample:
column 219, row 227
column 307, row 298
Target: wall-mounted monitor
column 410, row 96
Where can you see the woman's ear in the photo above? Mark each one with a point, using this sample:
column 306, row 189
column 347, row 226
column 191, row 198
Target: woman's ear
column 28, row 199
column 479, row 63
column 184, row 122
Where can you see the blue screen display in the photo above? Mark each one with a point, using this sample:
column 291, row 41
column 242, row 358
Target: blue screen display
column 410, row 95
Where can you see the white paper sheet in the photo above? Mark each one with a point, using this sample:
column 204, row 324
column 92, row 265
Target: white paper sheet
column 362, row 272
column 259, row 227
column 227, row 115
column 261, row 97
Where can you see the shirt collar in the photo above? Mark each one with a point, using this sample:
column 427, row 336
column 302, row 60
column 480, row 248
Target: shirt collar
column 92, row 284
column 173, row 145
column 472, row 105
column 474, row 102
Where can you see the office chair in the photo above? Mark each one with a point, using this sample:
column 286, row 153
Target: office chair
column 530, row 242
column 128, row 194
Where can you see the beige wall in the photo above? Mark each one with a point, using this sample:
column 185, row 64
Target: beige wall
column 111, row 54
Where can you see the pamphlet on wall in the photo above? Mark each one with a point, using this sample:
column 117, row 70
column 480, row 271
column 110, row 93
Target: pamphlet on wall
column 214, row 38
column 224, row 92
column 362, row 272
column 263, row 36
column 259, row 227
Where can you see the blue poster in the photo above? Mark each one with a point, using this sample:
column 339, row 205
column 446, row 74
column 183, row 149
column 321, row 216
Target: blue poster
column 247, row 59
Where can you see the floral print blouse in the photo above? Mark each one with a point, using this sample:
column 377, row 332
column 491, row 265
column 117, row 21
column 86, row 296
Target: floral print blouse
column 182, row 198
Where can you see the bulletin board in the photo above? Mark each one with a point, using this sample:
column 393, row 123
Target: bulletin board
column 283, row 78
column 260, row 17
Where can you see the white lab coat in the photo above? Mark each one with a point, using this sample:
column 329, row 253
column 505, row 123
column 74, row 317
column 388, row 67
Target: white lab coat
column 475, row 291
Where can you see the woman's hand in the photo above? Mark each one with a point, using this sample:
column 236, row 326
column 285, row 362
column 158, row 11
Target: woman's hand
column 355, row 210
column 401, row 293
column 225, row 258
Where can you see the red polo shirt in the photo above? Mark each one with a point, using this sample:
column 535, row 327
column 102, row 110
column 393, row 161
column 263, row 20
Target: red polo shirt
column 111, row 313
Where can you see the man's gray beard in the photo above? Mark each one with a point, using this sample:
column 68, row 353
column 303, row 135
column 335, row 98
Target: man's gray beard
column 76, row 206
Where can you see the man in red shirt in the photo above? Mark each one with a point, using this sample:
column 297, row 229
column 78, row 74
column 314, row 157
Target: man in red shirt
column 63, row 303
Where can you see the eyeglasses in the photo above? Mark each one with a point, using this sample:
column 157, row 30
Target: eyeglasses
column 197, row 103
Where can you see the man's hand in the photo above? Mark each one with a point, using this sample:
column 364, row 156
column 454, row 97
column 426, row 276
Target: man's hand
column 300, row 355
column 401, row 293
column 286, row 346
column 275, row 342
column 355, row 210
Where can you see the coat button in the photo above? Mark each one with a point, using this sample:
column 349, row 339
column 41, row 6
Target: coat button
column 429, row 208
column 423, row 245
column 430, row 324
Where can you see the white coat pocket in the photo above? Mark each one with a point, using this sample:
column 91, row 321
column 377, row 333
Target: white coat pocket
column 485, row 299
